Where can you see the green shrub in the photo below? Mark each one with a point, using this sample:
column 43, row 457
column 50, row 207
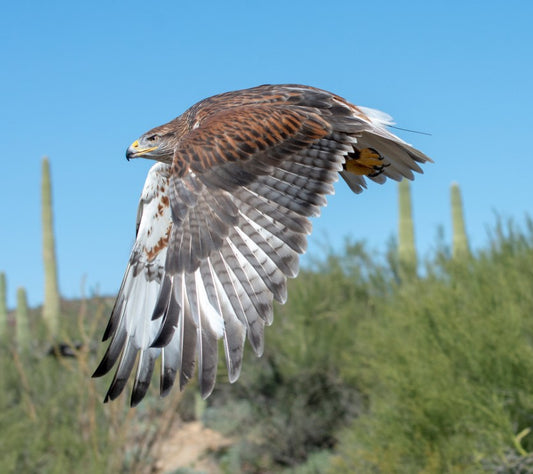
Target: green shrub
column 51, row 411
column 447, row 364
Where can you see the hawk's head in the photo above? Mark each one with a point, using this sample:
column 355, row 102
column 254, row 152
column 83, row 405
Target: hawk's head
column 157, row 144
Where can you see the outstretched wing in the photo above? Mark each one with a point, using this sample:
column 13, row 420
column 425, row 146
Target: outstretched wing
column 222, row 228
column 131, row 327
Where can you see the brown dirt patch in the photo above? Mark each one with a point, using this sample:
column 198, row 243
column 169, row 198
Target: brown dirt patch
column 190, row 445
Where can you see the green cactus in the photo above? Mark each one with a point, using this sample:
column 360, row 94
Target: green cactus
column 3, row 307
column 406, row 233
column 51, row 306
column 22, row 321
column 460, row 240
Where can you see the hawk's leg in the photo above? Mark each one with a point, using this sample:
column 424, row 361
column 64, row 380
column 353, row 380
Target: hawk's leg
column 365, row 162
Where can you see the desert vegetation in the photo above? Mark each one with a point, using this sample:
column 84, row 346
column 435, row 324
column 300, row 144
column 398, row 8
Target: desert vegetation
column 378, row 363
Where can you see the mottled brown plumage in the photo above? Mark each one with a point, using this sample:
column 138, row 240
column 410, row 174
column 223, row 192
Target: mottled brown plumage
column 223, row 219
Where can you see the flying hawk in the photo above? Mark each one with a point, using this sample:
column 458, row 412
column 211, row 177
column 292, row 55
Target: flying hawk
column 223, row 218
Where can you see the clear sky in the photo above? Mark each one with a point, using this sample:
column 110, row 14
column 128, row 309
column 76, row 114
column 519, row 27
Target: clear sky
column 79, row 81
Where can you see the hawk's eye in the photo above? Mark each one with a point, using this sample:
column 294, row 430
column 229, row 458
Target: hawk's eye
column 152, row 138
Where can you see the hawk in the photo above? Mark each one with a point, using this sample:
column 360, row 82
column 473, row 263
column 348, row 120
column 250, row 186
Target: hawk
column 223, row 218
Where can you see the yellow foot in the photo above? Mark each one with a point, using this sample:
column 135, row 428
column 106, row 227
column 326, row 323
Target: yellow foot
column 365, row 162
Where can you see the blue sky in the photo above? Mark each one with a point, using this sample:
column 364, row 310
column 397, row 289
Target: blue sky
column 80, row 81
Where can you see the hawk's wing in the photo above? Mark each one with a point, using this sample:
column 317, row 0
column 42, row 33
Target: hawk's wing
column 131, row 326
column 223, row 227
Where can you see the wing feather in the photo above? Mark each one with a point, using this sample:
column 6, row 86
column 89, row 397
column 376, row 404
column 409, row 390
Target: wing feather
column 143, row 377
column 172, row 352
column 188, row 341
column 235, row 322
column 125, row 366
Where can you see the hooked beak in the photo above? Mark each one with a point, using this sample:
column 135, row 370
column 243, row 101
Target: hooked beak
column 134, row 150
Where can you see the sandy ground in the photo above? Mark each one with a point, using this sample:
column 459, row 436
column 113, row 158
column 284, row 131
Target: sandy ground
column 189, row 446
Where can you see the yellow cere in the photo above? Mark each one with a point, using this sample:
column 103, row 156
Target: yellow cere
column 141, row 151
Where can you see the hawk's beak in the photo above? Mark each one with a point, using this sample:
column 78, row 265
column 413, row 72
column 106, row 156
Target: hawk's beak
column 134, row 150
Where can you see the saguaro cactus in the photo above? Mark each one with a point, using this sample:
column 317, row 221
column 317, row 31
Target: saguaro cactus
column 460, row 240
column 22, row 321
column 51, row 306
column 3, row 307
column 406, row 233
